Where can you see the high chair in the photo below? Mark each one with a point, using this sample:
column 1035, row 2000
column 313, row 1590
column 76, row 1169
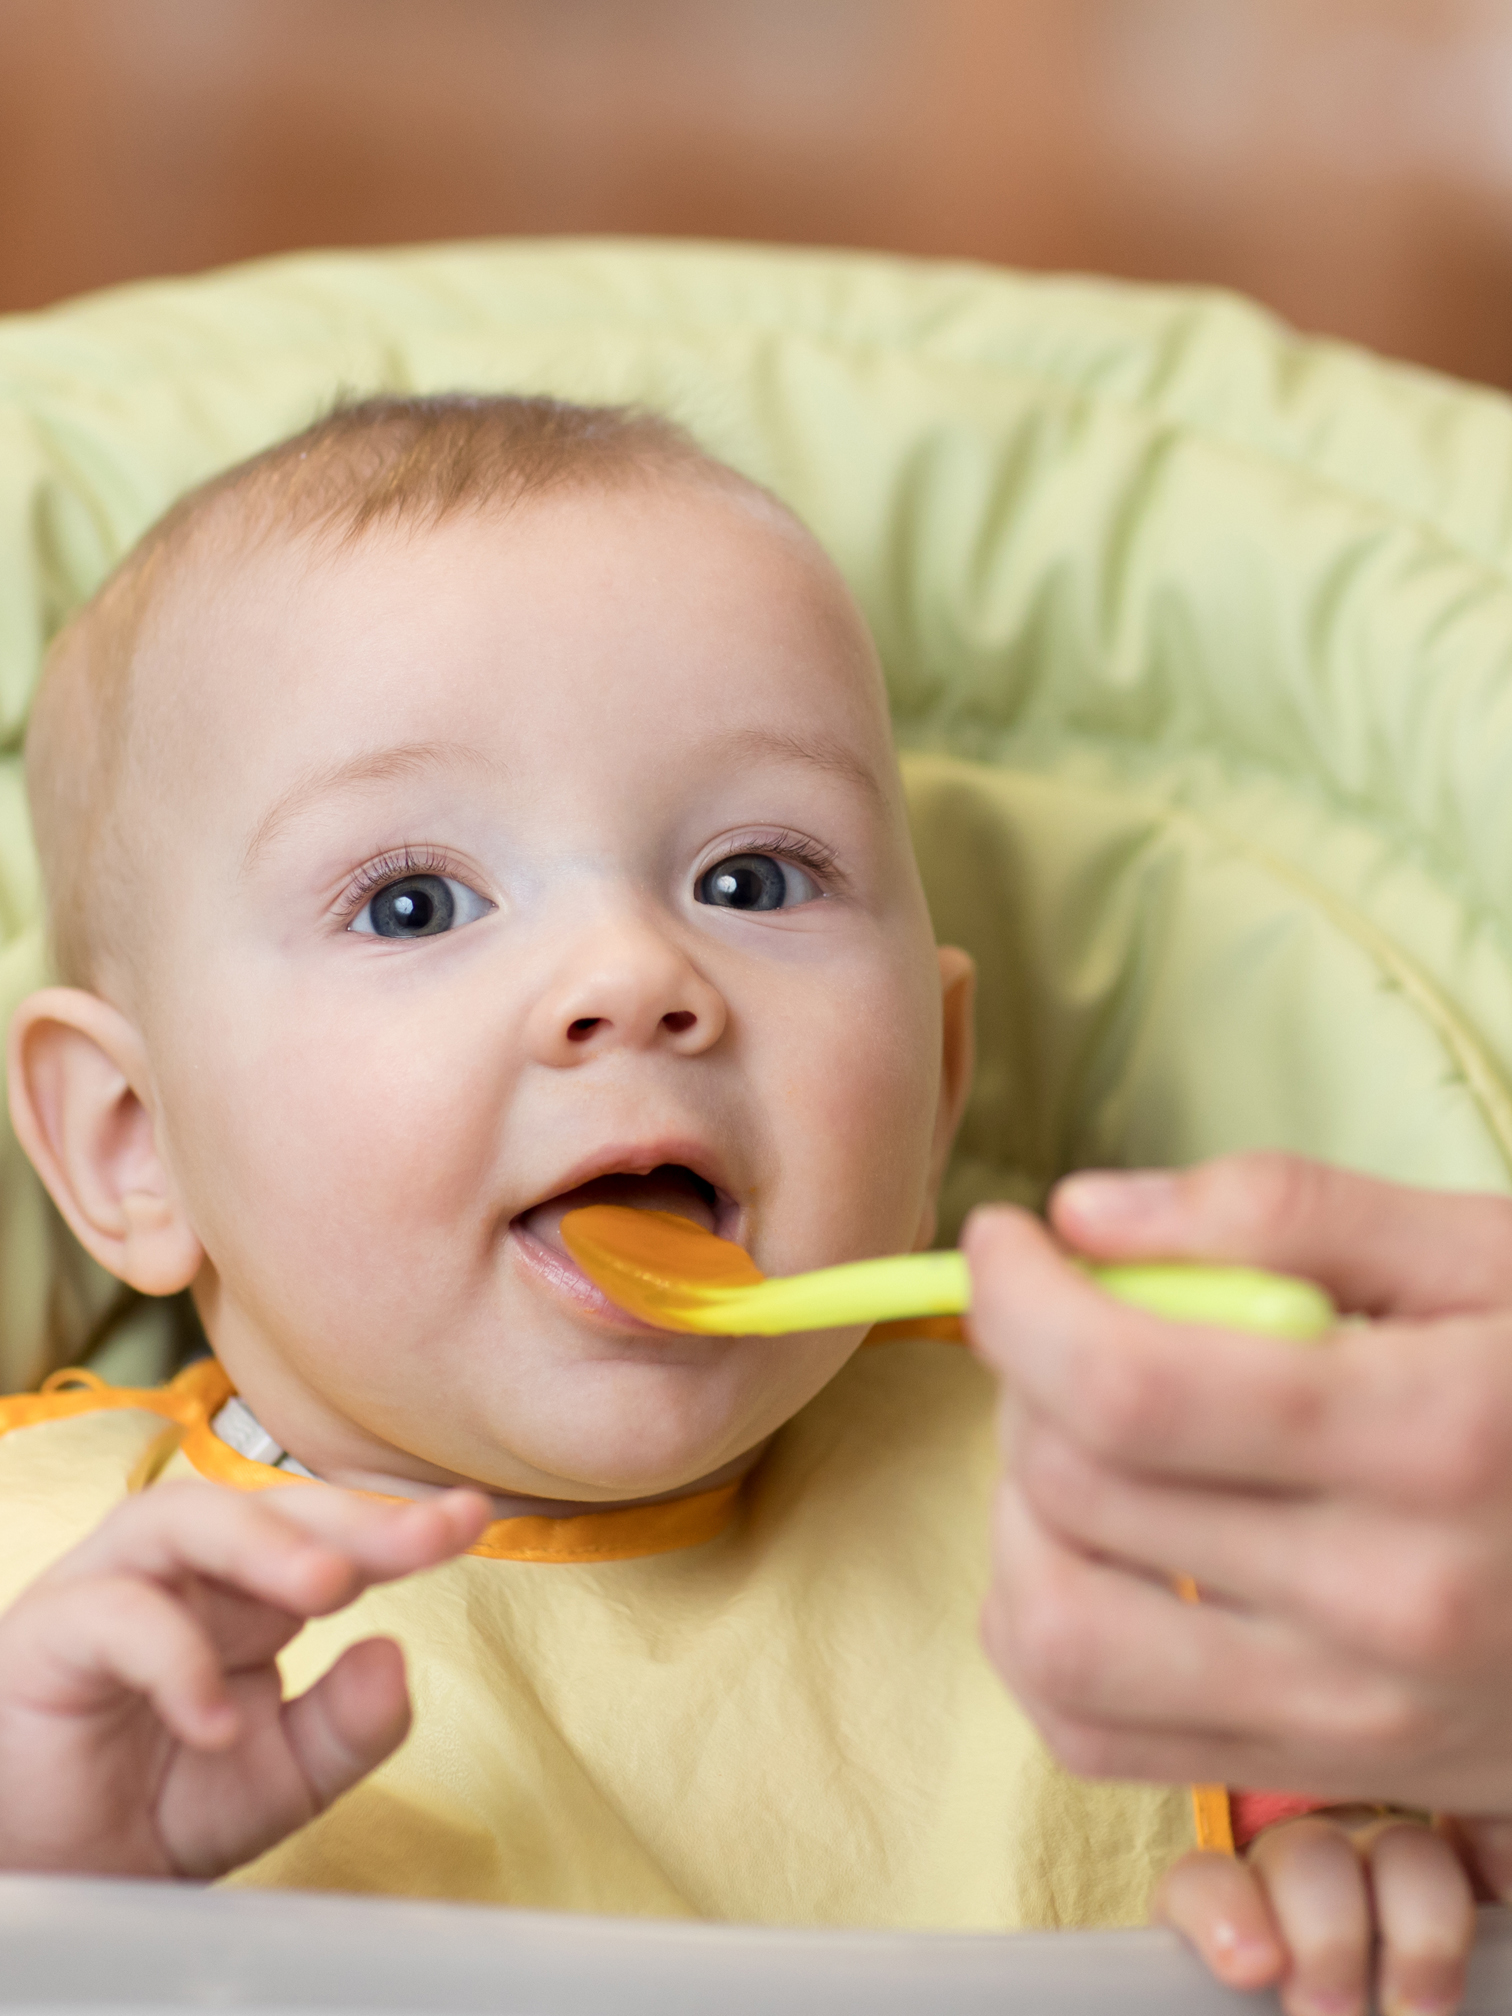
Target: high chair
column 1199, row 642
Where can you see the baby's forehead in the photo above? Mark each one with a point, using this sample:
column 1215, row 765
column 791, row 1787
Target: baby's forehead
column 290, row 634
column 242, row 579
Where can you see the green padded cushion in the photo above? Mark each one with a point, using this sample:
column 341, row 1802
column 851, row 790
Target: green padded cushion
column 1198, row 636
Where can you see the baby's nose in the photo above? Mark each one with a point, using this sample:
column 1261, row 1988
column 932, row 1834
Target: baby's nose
column 626, row 989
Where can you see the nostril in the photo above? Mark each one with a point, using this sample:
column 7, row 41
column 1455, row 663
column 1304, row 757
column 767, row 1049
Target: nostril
column 583, row 1028
column 680, row 1019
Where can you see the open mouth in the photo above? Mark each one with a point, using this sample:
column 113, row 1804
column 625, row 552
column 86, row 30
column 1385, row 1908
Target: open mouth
column 670, row 1186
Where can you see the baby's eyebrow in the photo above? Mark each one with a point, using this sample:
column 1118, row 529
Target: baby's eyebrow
column 814, row 747
column 373, row 766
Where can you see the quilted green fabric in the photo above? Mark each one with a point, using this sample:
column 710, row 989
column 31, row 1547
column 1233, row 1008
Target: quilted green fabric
column 1198, row 639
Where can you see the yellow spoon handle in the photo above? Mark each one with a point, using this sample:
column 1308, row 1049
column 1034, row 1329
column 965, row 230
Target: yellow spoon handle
column 677, row 1275
column 1227, row 1298
column 938, row 1284
column 860, row 1291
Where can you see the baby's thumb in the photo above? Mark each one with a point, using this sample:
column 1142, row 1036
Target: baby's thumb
column 350, row 1720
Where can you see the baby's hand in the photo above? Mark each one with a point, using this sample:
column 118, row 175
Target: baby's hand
column 142, row 1726
column 1307, row 1908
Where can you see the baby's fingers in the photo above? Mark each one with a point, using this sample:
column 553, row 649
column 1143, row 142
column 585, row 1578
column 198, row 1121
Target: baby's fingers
column 1319, row 1896
column 384, row 1538
column 73, row 1648
column 1425, row 1913
column 351, row 1719
column 1219, row 1905
column 222, row 1811
column 306, row 1549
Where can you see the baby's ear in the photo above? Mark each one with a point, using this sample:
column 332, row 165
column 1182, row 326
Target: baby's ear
column 79, row 1104
column 957, row 1061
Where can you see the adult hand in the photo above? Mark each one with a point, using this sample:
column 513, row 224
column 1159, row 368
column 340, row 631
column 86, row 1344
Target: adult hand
column 143, row 1729
column 1346, row 1508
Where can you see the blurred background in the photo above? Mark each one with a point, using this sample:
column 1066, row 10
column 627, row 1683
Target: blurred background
column 1347, row 161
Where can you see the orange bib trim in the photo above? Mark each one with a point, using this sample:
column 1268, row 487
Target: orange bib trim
column 1212, row 1818
column 192, row 1400
column 1212, row 1815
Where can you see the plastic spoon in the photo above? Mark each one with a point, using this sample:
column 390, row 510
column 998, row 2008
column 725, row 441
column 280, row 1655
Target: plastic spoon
column 670, row 1272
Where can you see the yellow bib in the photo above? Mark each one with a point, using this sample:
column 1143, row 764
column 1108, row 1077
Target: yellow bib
column 783, row 1716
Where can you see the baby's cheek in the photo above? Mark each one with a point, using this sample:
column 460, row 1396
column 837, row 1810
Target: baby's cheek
column 340, row 1156
column 856, row 1120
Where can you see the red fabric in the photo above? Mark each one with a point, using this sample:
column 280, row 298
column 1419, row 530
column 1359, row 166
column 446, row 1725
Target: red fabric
column 1250, row 1811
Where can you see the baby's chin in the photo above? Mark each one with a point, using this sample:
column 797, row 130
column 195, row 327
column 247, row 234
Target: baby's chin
column 615, row 1426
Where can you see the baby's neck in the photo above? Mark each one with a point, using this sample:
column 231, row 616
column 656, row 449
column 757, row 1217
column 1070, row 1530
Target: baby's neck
column 239, row 1427
column 515, row 1505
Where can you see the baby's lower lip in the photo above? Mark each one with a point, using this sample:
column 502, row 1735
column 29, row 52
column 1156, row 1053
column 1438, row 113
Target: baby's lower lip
column 551, row 1263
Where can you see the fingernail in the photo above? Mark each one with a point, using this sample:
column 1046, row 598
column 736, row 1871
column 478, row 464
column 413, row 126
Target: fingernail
column 1244, row 1960
column 1118, row 1197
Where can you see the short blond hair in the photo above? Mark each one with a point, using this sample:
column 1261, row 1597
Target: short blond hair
column 382, row 463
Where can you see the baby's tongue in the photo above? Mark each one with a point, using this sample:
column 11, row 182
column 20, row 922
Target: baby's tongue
column 665, row 1189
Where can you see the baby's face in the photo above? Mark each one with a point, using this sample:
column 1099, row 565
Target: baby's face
column 537, row 859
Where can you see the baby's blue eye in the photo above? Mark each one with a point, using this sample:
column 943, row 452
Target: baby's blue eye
column 419, row 906
column 755, row 882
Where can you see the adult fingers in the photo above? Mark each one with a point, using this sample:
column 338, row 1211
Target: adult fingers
column 1172, row 1757
column 73, row 1648
column 1124, row 1680
column 1426, row 1915
column 1099, row 1645
column 308, row 1549
column 1317, row 1889
column 1150, row 1753
column 1426, row 1595
column 1380, row 1248
column 1128, row 1384
column 1218, row 1904
column 1417, row 1412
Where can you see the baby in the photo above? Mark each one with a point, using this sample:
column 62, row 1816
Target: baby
column 467, row 810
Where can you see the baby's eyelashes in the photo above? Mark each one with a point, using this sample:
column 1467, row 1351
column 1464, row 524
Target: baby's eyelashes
column 756, row 882
column 420, row 906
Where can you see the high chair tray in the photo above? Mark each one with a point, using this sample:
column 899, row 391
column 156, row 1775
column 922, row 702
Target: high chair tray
column 127, row 1949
